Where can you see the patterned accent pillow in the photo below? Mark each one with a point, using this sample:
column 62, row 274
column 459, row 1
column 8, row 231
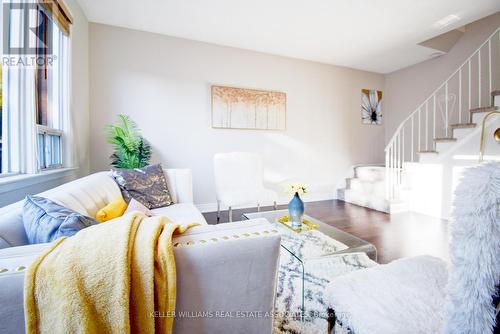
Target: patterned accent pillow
column 147, row 185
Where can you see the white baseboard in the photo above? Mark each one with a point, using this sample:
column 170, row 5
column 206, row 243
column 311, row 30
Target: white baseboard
column 212, row 207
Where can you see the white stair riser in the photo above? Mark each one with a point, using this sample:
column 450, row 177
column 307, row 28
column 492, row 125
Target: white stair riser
column 359, row 198
column 443, row 146
column 426, row 157
column 461, row 133
column 477, row 117
column 369, row 187
column 372, row 173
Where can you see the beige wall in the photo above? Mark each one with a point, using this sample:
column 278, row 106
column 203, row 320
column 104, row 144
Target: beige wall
column 80, row 85
column 407, row 88
column 164, row 84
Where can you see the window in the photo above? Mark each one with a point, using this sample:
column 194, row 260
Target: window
column 50, row 89
column 36, row 127
column 49, row 150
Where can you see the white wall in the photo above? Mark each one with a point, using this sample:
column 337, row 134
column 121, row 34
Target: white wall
column 407, row 88
column 80, row 108
column 163, row 83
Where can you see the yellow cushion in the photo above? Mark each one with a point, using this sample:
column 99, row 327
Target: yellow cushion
column 113, row 210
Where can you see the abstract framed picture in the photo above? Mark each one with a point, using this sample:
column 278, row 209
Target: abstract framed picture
column 371, row 106
column 243, row 108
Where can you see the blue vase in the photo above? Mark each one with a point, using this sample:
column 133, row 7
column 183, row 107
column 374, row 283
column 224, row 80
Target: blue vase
column 296, row 211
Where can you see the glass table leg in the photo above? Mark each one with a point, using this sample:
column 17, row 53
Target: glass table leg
column 302, row 308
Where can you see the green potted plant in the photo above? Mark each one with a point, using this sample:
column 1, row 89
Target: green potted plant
column 131, row 150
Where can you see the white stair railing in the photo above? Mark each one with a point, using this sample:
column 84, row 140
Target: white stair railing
column 449, row 104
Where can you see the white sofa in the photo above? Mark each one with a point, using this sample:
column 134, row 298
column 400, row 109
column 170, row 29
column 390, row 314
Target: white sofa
column 221, row 269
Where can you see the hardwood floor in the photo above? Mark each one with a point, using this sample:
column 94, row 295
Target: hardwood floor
column 394, row 236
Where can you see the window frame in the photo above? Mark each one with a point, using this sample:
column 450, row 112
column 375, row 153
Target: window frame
column 46, row 131
column 40, row 128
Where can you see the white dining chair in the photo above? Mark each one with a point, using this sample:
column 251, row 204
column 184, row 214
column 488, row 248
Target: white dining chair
column 239, row 180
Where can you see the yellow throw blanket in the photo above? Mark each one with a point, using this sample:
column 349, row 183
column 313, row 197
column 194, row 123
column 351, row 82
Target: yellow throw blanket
column 115, row 277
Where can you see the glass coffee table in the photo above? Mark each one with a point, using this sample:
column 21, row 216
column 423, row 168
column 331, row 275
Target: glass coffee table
column 321, row 242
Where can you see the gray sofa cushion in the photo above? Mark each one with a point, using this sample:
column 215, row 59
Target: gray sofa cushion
column 45, row 221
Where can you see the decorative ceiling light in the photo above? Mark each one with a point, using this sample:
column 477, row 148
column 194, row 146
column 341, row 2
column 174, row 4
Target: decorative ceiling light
column 436, row 54
column 446, row 21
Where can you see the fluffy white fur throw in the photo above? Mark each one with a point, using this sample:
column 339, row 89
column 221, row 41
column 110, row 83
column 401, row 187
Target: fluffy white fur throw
column 474, row 252
column 404, row 296
column 409, row 295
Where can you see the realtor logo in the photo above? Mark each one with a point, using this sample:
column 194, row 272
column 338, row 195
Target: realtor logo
column 34, row 36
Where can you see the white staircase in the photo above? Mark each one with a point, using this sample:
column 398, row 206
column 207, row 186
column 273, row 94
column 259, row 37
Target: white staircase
column 450, row 116
column 461, row 131
column 367, row 188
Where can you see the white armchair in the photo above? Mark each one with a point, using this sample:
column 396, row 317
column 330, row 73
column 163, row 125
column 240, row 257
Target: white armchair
column 239, row 181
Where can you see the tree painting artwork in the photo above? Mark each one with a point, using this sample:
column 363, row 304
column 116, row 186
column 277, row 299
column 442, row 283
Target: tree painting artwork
column 241, row 108
column 371, row 106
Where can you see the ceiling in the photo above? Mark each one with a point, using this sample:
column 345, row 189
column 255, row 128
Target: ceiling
column 374, row 35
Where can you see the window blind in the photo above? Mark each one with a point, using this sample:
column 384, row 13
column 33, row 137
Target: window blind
column 59, row 13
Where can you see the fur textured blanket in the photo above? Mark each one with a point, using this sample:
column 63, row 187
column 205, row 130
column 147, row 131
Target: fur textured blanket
column 419, row 295
column 474, row 252
column 404, row 296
